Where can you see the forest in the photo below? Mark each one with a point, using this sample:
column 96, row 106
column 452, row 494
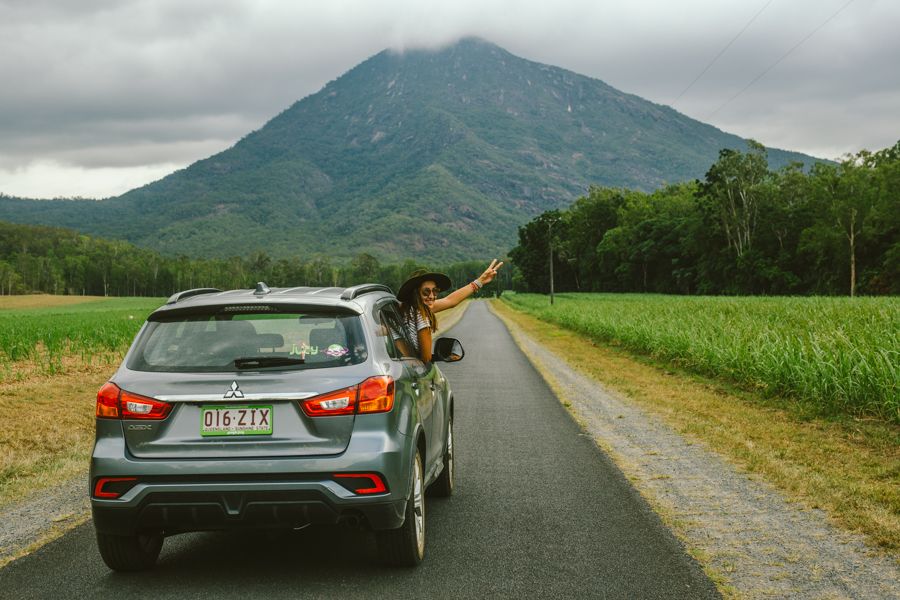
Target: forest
column 744, row 229
column 54, row 260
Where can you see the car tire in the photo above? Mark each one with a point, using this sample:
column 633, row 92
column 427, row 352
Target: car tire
column 443, row 485
column 136, row 552
column 405, row 546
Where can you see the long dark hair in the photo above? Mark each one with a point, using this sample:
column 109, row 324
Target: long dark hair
column 409, row 306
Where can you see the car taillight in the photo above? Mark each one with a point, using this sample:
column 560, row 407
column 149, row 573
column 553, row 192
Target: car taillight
column 113, row 487
column 115, row 403
column 108, row 401
column 341, row 402
column 361, row 483
column 133, row 406
column 374, row 395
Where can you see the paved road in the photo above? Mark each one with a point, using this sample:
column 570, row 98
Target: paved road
column 539, row 512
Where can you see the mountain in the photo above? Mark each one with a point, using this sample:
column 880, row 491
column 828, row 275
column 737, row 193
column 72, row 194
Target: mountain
column 434, row 154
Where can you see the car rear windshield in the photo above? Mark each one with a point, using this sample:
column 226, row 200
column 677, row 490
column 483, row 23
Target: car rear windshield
column 224, row 342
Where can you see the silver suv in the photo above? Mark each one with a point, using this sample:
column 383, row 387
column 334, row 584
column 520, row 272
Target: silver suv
column 271, row 408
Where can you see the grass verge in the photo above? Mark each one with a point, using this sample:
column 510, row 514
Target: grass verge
column 50, row 426
column 848, row 467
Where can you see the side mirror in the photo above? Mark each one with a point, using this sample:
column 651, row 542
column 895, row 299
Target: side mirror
column 447, row 350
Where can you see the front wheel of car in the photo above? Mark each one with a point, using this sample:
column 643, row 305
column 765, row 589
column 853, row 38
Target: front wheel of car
column 443, row 485
column 136, row 552
column 405, row 546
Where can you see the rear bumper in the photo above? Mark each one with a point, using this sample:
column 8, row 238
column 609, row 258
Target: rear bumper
column 177, row 496
column 177, row 508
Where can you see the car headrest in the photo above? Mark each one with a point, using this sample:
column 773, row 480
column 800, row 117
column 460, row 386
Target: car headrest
column 324, row 337
column 269, row 340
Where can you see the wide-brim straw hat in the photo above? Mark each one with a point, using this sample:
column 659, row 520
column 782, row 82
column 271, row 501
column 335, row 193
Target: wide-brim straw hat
column 413, row 282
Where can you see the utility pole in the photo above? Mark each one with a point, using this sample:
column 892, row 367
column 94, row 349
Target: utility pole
column 550, row 245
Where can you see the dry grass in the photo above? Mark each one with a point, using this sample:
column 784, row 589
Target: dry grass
column 43, row 301
column 849, row 468
column 49, row 425
column 451, row 317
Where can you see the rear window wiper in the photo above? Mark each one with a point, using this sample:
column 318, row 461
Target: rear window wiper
column 266, row 361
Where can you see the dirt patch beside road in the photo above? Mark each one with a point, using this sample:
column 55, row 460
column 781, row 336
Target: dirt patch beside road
column 753, row 542
column 43, row 517
column 43, row 301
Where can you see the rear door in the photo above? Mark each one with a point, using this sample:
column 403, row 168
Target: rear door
column 417, row 371
column 237, row 383
column 439, row 414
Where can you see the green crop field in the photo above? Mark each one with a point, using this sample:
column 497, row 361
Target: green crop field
column 831, row 355
column 47, row 334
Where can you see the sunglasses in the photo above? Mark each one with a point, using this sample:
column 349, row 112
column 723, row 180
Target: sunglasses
column 430, row 292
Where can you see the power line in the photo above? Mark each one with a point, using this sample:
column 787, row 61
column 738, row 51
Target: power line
column 721, row 52
column 783, row 56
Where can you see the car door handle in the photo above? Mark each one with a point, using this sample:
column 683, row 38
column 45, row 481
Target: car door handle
column 432, row 386
column 414, row 385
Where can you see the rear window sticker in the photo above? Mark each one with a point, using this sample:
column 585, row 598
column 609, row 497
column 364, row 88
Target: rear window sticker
column 336, row 350
column 302, row 350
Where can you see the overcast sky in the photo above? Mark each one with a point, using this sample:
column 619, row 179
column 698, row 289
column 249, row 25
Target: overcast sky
column 100, row 96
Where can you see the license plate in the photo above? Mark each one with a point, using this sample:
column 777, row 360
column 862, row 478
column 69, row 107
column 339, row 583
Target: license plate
column 236, row 420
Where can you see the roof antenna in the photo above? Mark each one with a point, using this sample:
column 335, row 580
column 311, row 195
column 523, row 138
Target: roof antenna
column 261, row 289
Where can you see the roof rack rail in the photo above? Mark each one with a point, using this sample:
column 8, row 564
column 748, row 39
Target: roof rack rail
column 364, row 288
column 188, row 293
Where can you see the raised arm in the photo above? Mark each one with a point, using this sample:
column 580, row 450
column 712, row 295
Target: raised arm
column 467, row 290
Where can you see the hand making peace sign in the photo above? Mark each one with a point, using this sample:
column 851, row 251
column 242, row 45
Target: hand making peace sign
column 490, row 272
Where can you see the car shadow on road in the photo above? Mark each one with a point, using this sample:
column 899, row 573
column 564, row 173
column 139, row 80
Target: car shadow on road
column 317, row 557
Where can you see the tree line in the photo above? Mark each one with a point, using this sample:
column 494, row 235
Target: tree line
column 744, row 229
column 53, row 260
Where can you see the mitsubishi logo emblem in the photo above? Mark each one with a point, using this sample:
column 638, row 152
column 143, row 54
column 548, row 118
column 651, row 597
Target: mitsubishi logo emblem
column 234, row 392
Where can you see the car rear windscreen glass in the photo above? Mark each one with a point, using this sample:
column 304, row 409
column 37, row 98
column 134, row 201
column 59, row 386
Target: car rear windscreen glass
column 225, row 342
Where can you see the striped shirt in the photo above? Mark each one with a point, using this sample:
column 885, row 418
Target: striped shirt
column 413, row 322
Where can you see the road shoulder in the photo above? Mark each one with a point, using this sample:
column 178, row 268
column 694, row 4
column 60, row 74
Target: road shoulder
column 751, row 541
column 42, row 517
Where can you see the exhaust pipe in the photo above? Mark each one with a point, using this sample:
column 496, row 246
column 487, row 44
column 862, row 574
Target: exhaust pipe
column 350, row 521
